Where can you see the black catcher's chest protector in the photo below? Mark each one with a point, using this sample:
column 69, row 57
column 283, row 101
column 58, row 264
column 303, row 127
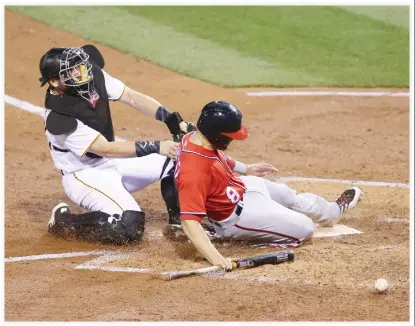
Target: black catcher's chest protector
column 97, row 117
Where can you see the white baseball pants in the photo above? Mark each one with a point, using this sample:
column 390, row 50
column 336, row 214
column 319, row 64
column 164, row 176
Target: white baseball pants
column 274, row 213
column 107, row 187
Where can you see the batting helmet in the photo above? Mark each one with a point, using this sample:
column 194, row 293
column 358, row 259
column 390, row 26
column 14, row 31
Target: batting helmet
column 72, row 67
column 221, row 122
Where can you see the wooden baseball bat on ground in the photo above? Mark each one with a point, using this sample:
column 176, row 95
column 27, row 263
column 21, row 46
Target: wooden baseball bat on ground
column 273, row 258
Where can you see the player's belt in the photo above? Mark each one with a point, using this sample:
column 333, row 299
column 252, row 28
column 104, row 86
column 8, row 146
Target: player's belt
column 57, row 148
column 238, row 211
column 239, row 207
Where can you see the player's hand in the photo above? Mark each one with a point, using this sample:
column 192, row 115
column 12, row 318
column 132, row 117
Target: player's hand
column 225, row 263
column 168, row 148
column 260, row 169
column 187, row 127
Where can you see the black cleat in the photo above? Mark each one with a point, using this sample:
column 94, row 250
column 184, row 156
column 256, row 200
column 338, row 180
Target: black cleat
column 57, row 217
column 174, row 219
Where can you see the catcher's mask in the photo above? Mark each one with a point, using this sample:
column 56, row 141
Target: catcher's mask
column 221, row 122
column 73, row 68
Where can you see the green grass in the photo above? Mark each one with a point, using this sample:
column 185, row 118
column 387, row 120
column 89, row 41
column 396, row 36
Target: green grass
column 398, row 16
column 241, row 46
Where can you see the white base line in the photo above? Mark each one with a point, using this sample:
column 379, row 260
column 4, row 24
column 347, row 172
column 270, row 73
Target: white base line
column 55, row 256
column 350, row 182
column 98, row 264
column 26, row 106
column 113, row 269
column 393, row 220
column 329, row 93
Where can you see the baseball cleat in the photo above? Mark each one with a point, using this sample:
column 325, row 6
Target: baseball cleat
column 174, row 220
column 57, row 212
column 349, row 198
column 175, row 232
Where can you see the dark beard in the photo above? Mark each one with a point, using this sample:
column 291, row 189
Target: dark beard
column 220, row 142
column 220, row 147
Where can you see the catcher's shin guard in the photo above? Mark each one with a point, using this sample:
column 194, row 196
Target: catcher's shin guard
column 171, row 198
column 100, row 227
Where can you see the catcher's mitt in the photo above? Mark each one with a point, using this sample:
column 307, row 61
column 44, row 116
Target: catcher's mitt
column 173, row 123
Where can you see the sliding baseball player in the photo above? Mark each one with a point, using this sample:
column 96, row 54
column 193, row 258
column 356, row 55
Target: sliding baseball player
column 247, row 207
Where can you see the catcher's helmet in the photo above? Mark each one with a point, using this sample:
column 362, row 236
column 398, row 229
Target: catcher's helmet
column 72, row 67
column 221, row 122
column 50, row 65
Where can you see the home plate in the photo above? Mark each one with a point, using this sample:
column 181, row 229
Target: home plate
column 334, row 231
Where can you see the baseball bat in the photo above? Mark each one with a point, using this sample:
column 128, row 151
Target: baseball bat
column 273, row 258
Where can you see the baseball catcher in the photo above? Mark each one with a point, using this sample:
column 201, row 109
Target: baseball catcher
column 99, row 173
column 247, row 207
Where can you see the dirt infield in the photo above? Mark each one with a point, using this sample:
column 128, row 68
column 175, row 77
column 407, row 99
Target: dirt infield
column 325, row 137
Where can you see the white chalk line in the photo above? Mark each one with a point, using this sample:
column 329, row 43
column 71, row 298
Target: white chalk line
column 107, row 255
column 350, row 182
column 98, row 264
column 111, row 255
column 113, row 269
column 26, row 106
column 94, row 264
column 56, row 256
column 393, row 220
column 383, row 247
column 328, row 93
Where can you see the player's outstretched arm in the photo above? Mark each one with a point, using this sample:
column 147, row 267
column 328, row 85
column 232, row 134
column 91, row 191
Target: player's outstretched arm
column 260, row 169
column 149, row 106
column 139, row 101
column 256, row 169
column 120, row 149
column 200, row 240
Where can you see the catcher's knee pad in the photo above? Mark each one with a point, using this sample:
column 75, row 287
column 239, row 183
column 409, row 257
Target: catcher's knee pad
column 101, row 227
column 125, row 229
column 84, row 227
column 133, row 223
column 171, row 198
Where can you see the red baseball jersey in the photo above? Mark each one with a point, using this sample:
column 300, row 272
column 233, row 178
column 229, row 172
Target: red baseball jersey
column 206, row 182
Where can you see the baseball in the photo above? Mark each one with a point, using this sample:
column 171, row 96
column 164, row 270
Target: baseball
column 381, row 285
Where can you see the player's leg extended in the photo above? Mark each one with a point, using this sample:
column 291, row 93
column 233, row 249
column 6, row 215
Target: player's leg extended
column 141, row 171
column 99, row 190
column 114, row 217
column 264, row 220
column 322, row 211
column 97, row 226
